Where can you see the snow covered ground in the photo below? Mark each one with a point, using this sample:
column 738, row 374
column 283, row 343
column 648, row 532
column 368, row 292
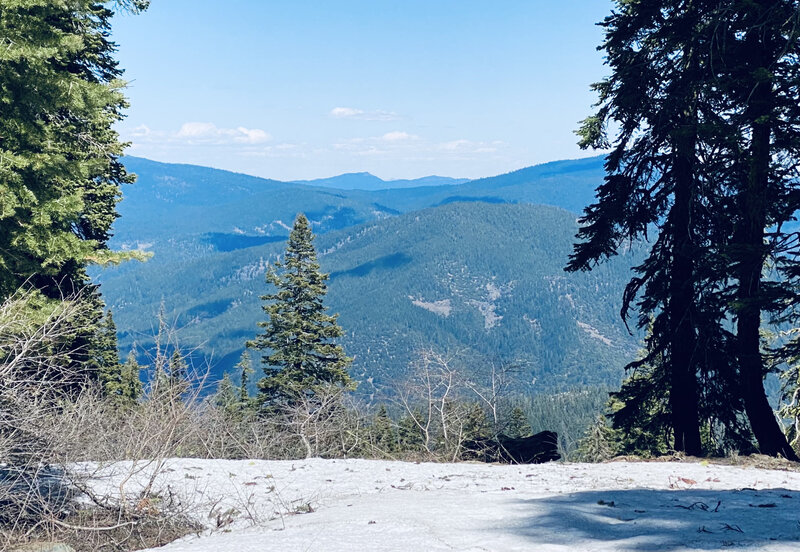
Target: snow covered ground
column 366, row 505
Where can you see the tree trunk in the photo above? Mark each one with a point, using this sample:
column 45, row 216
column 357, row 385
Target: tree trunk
column 683, row 337
column 750, row 246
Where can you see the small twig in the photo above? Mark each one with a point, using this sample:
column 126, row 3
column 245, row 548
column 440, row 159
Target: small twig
column 697, row 505
column 732, row 528
column 83, row 528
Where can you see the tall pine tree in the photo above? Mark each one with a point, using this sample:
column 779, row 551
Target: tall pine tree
column 659, row 53
column 760, row 79
column 131, row 388
column 706, row 100
column 301, row 358
column 60, row 174
column 107, row 355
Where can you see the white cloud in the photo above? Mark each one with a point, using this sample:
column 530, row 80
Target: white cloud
column 141, row 131
column 282, row 150
column 252, row 135
column 209, row 132
column 345, row 112
column 398, row 136
column 361, row 115
column 468, row 146
column 455, row 145
column 197, row 130
column 399, row 144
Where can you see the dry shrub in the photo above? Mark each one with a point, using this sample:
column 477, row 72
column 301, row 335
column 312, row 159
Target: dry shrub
column 50, row 418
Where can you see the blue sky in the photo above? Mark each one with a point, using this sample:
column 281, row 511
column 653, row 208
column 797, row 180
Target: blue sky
column 303, row 89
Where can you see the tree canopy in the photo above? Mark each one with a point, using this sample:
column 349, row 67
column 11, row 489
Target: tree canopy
column 703, row 97
column 60, row 173
column 300, row 354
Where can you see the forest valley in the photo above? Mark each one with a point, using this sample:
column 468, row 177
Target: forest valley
column 699, row 121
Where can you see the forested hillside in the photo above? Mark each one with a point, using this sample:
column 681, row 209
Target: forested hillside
column 477, row 272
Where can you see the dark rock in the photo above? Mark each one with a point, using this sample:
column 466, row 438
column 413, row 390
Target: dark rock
column 536, row 449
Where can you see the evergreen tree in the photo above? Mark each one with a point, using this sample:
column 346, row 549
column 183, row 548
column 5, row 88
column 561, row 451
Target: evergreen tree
column 384, row 435
column 658, row 53
column 60, row 173
column 409, row 433
column 476, row 424
column 107, row 355
column 599, row 443
column 706, row 156
column 640, row 410
column 130, row 387
column 235, row 401
column 518, row 425
column 790, row 404
column 300, row 356
column 227, row 398
column 760, row 83
column 178, row 370
column 245, row 370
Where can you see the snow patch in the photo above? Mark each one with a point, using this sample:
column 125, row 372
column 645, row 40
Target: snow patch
column 487, row 307
column 442, row 307
column 594, row 333
column 250, row 271
column 281, row 224
column 344, row 505
column 493, row 292
column 488, row 310
column 347, row 239
column 137, row 246
column 536, row 326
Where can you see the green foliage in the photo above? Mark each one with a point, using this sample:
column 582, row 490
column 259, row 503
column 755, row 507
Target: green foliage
column 476, row 424
column 130, row 388
column 517, row 424
column 245, row 369
column 60, row 173
column 600, row 443
column 790, row 403
column 383, row 434
column 703, row 100
column 409, row 432
column 108, row 356
column 568, row 413
column 300, row 357
column 178, row 369
column 452, row 252
column 227, row 397
column 36, row 338
column 235, row 401
column 640, row 412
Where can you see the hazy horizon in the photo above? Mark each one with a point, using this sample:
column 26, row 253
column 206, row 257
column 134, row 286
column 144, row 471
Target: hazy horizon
column 301, row 91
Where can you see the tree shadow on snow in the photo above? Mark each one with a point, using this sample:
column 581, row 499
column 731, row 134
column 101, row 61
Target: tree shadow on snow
column 642, row 519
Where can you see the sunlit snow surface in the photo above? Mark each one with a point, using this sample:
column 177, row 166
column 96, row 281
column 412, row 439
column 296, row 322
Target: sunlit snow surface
column 366, row 505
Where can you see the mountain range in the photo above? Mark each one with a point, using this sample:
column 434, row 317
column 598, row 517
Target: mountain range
column 367, row 181
column 471, row 267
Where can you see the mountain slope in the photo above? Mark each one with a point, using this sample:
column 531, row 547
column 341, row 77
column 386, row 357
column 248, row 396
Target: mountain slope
column 178, row 200
column 483, row 279
column 566, row 184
